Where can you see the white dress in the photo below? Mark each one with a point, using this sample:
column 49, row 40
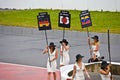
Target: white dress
column 79, row 72
column 105, row 77
column 53, row 63
column 65, row 59
column 96, row 53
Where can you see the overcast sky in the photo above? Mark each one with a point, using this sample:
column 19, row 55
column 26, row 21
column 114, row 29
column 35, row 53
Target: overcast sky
column 109, row 5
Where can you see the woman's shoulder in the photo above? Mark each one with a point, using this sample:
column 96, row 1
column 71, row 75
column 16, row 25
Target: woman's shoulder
column 68, row 46
column 97, row 43
column 83, row 65
column 56, row 50
column 101, row 70
column 92, row 43
column 76, row 64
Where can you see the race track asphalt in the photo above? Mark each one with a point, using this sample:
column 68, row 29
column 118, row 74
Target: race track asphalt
column 24, row 46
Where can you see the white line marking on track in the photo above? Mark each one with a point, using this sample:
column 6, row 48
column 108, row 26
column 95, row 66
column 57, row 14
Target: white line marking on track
column 22, row 65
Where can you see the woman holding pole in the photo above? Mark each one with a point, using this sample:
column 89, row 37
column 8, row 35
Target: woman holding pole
column 105, row 71
column 94, row 47
column 51, row 63
column 64, row 52
column 79, row 69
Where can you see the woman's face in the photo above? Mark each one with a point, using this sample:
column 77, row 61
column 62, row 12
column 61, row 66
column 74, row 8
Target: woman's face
column 95, row 40
column 63, row 43
column 80, row 59
column 51, row 47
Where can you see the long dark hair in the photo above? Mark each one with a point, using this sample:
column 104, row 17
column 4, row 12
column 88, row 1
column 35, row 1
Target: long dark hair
column 97, row 40
column 104, row 65
column 52, row 45
column 53, row 48
column 64, row 41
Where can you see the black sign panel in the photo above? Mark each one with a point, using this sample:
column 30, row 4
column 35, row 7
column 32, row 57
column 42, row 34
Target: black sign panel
column 85, row 19
column 64, row 19
column 44, row 22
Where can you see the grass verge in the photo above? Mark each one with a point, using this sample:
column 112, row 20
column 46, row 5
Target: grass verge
column 27, row 18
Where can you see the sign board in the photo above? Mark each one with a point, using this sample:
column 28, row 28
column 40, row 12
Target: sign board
column 44, row 22
column 64, row 19
column 85, row 19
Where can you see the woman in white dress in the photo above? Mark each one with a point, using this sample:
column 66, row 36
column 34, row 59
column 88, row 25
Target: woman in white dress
column 95, row 45
column 79, row 69
column 51, row 63
column 64, row 52
column 105, row 71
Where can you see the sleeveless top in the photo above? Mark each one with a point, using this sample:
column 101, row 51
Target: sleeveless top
column 52, row 55
column 53, row 66
column 79, row 72
column 105, row 77
column 96, row 53
column 64, row 60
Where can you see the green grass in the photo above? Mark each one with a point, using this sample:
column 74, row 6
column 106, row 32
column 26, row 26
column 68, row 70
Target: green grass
column 27, row 18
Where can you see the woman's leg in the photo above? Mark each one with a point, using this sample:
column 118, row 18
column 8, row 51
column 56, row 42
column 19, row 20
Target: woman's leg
column 49, row 73
column 54, row 75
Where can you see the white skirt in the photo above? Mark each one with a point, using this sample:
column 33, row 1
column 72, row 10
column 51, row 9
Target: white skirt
column 97, row 54
column 53, row 66
column 64, row 60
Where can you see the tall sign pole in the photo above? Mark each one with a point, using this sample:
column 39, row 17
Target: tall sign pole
column 86, row 22
column 89, row 40
column 63, row 32
column 109, row 50
column 64, row 20
column 44, row 23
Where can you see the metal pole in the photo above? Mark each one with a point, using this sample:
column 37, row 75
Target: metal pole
column 63, row 32
column 47, row 46
column 63, row 38
column 109, row 51
column 89, row 44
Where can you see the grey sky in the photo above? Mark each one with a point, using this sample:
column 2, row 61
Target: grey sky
column 109, row 5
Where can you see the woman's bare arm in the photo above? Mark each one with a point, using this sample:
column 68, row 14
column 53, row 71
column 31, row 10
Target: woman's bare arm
column 45, row 50
column 89, row 43
column 97, row 47
column 66, row 48
column 105, row 72
column 56, row 55
column 74, row 71
column 86, row 73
